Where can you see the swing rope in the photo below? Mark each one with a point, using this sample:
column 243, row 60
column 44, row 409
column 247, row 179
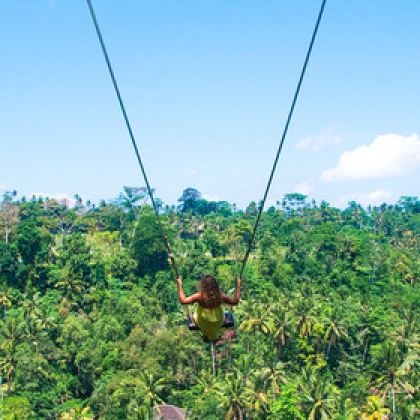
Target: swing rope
column 133, row 140
column 140, row 162
column 283, row 137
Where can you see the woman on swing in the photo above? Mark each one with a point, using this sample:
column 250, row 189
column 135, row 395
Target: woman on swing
column 209, row 315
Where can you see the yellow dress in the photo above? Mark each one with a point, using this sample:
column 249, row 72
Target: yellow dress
column 210, row 321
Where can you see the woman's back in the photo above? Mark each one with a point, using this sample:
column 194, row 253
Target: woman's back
column 209, row 315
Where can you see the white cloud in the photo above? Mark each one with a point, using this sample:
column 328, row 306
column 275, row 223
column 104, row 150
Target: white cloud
column 210, row 197
column 379, row 196
column 373, row 198
column 2, row 187
column 303, row 188
column 388, row 155
column 318, row 141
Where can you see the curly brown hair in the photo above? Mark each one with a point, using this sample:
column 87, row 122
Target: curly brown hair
column 210, row 292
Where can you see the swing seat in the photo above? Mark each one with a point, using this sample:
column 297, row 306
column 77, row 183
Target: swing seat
column 192, row 326
column 229, row 322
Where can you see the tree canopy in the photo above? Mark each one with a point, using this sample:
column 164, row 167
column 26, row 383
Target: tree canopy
column 91, row 328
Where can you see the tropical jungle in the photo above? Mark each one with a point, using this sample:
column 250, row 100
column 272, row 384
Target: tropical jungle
column 91, row 327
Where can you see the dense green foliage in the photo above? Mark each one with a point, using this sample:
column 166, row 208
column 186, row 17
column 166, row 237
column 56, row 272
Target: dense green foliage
column 90, row 324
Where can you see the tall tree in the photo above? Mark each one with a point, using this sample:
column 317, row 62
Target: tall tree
column 189, row 200
column 9, row 215
column 148, row 247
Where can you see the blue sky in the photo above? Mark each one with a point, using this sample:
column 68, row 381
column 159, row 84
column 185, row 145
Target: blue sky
column 207, row 85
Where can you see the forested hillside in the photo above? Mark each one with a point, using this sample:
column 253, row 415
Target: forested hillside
column 328, row 326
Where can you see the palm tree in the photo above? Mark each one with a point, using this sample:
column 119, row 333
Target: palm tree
column 205, row 381
column 32, row 314
column 131, row 196
column 152, row 387
column 278, row 375
column 243, row 366
column 335, row 329
column 233, row 395
column 71, row 287
column 256, row 318
column 280, row 323
column 257, row 391
column 12, row 332
column 318, row 394
column 396, row 369
column 371, row 327
column 138, row 393
column 263, row 387
column 374, row 409
column 303, row 315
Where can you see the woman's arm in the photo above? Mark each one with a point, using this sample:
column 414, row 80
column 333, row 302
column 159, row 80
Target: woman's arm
column 236, row 296
column 182, row 298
